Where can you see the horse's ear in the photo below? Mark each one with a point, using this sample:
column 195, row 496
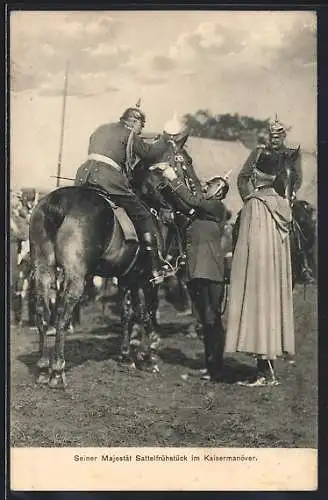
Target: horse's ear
column 181, row 139
column 296, row 153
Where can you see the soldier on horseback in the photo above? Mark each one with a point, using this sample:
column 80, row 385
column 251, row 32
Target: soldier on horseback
column 278, row 154
column 114, row 150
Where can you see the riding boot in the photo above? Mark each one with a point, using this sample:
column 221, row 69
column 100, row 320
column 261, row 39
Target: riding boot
column 306, row 272
column 154, row 267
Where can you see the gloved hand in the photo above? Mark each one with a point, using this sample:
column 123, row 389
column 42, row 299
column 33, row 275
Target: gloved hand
column 166, row 169
column 169, row 173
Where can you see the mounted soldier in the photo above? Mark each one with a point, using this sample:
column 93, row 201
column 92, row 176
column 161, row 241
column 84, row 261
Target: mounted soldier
column 276, row 154
column 114, row 150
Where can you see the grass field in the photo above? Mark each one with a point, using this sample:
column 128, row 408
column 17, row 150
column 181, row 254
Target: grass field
column 107, row 404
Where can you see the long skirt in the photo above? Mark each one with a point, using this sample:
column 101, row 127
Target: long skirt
column 260, row 316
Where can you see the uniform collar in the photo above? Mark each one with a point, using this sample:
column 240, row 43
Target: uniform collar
column 126, row 125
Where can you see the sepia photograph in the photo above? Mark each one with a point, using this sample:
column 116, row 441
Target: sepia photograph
column 163, row 248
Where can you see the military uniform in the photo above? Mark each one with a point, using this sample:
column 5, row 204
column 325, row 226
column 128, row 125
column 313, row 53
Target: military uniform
column 205, row 259
column 114, row 150
column 185, row 193
column 270, row 160
column 122, row 147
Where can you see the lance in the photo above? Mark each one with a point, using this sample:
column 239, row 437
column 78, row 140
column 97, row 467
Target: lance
column 227, row 175
column 61, row 141
column 60, row 177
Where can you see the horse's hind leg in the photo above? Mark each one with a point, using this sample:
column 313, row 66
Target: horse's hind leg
column 72, row 292
column 44, row 276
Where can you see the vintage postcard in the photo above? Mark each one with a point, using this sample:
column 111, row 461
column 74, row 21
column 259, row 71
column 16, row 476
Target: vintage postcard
column 163, row 250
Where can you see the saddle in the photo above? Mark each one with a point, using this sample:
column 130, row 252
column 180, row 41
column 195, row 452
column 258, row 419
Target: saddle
column 120, row 213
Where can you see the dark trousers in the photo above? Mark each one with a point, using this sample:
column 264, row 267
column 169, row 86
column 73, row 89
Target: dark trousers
column 207, row 297
column 137, row 211
column 116, row 184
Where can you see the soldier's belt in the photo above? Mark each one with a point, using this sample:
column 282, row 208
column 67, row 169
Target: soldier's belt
column 104, row 159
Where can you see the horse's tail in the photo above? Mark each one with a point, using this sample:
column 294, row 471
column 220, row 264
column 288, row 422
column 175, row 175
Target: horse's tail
column 46, row 219
column 55, row 207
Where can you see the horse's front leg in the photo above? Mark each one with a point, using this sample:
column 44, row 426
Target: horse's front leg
column 71, row 295
column 151, row 338
column 126, row 314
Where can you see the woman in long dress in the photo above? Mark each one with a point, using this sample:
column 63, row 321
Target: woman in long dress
column 260, row 316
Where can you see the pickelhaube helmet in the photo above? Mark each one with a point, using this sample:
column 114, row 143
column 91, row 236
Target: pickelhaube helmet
column 134, row 113
column 174, row 126
column 28, row 194
column 217, row 186
column 277, row 127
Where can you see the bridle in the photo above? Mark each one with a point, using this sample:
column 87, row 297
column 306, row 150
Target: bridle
column 178, row 163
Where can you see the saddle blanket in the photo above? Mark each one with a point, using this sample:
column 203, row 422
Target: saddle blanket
column 122, row 217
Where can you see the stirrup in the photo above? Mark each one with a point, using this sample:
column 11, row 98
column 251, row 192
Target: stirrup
column 307, row 277
column 157, row 278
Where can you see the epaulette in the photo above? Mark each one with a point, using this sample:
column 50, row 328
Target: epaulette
column 292, row 147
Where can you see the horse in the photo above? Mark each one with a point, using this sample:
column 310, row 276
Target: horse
column 78, row 229
column 303, row 239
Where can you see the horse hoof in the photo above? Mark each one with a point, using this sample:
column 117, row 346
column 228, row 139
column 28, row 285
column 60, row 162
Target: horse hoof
column 43, row 379
column 58, row 381
column 155, row 369
column 132, row 365
column 124, row 358
column 43, row 364
column 135, row 342
column 155, row 345
column 51, row 331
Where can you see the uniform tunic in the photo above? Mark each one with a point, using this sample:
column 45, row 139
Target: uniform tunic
column 244, row 183
column 205, row 258
column 204, row 253
column 111, row 140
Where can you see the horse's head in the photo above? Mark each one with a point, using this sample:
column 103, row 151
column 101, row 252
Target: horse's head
column 148, row 179
column 286, row 176
column 305, row 214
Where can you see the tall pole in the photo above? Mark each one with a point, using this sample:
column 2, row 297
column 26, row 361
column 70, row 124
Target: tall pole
column 61, row 142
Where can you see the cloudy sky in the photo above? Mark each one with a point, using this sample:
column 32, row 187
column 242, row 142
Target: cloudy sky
column 254, row 63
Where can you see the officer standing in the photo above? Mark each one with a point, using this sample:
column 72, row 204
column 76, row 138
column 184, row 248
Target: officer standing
column 274, row 155
column 205, row 272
